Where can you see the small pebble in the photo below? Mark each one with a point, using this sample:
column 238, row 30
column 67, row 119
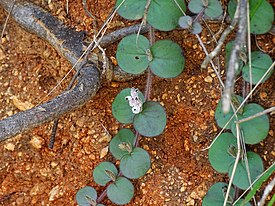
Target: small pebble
column 208, row 79
column 53, row 193
column 182, row 189
column 9, row 146
column 263, row 96
column 2, row 55
column 104, row 152
column 22, row 106
column 105, row 138
column 36, row 142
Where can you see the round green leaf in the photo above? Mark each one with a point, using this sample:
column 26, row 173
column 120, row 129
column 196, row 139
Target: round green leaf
column 196, row 6
column 222, row 118
column 260, row 63
column 216, row 194
column 135, row 164
column 196, row 28
column 261, row 16
column 101, row 173
column 255, row 165
column 121, row 191
column 221, row 152
column 185, row 22
column 124, row 135
column 121, row 108
column 131, row 9
column 168, row 60
column 131, row 54
column 86, row 196
column 254, row 130
column 151, row 121
column 212, row 8
column 166, row 22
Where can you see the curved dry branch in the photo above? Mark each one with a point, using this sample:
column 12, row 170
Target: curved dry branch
column 36, row 20
column 86, row 87
column 70, row 44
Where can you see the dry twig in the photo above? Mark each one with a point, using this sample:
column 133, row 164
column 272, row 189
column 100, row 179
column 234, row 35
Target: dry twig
column 233, row 63
column 218, row 48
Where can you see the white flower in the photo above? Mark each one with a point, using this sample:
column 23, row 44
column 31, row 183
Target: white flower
column 134, row 101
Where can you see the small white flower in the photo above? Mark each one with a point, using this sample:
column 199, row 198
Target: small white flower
column 134, row 101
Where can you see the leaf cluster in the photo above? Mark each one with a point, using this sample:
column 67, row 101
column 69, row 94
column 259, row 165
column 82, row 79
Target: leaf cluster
column 135, row 55
column 222, row 154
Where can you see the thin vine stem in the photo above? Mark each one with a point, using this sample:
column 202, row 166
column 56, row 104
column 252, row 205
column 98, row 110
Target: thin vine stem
column 149, row 72
column 147, row 97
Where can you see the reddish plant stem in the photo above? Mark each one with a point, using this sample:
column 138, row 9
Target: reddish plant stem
column 149, row 72
column 102, row 196
column 147, row 97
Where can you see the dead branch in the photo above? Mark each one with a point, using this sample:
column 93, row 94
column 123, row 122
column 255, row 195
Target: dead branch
column 233, row 63
column 218, row 48
column 86, row 87
column 70, row 44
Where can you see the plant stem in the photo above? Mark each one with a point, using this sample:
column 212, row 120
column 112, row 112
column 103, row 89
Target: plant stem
column 149, row 73
column 234, row 166
column 102, row 196
column 271, row 109
column 218, row 48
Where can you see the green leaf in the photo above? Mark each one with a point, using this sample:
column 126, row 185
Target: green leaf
column 222, row 118
column 259, row 183
column 135, row 164
column 86, row 196
column 165, row 57
column 261, row 15
column 196, row 28
column 254, row 130
column 102, row 172
column 168, row 60
column 166, row 22
column 272, row 201
column 232, row 5
column 121, row 108
column 123, row 136
column 255, row 165
column 212, row 8
column 216, row 194
column 131, row 9
column 121, row 191
column 228, row 49
column 260, row 63
column 186, row 22
column 131, row 54
column 221, row 152
column 151, row 121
